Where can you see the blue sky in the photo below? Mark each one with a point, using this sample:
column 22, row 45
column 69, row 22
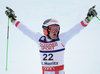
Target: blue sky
column 82, row 51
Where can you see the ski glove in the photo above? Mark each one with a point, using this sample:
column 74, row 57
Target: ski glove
column 10, row 13
column 91, row 13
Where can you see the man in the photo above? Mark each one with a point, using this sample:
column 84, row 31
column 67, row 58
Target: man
column 52, row 44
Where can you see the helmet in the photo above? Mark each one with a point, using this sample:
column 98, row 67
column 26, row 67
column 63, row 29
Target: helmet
column 48, row 23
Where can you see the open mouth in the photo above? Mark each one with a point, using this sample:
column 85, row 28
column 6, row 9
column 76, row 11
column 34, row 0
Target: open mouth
column 55, row 34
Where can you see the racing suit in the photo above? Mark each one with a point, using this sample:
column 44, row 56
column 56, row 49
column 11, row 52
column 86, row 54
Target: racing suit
column 52, row 51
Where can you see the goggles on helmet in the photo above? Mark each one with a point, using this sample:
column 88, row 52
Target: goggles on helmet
column 53, row 28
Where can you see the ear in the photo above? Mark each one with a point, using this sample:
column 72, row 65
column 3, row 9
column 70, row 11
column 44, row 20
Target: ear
column 45, row 32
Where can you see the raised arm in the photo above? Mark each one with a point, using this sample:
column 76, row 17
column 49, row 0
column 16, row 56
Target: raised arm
column 66, row 36
column 34, row 36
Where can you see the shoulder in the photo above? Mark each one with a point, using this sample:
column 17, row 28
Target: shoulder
column 42, row 39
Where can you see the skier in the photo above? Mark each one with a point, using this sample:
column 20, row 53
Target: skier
column 51, row 44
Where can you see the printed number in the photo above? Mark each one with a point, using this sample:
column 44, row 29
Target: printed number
column 49, row 55
column 45, row 56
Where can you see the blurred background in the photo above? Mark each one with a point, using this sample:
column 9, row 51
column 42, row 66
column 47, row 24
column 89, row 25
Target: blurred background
column 82, row 51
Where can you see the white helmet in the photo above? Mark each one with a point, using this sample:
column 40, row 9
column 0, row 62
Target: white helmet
column 47, row 23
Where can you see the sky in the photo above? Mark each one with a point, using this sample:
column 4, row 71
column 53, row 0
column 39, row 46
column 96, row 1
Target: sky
column 82, row 51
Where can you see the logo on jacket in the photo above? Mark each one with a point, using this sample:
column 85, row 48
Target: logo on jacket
column 48, row 46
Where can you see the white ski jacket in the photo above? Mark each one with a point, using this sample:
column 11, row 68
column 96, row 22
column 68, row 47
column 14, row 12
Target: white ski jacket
column 51, row 52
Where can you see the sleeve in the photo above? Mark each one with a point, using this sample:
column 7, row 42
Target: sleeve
column 66, row 36
column 33, row 35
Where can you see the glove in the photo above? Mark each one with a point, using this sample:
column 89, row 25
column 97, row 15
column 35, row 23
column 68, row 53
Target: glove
column 10, row 13
column 91, row 13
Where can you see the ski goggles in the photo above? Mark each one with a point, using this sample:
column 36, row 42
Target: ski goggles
column 53, row 28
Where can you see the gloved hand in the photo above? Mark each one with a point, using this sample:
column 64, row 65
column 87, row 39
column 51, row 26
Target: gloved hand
column 10, row 13
column 91, row 13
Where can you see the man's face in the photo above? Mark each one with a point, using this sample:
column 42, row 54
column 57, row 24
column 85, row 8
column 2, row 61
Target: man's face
column 53, row 31
column 53, row 35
